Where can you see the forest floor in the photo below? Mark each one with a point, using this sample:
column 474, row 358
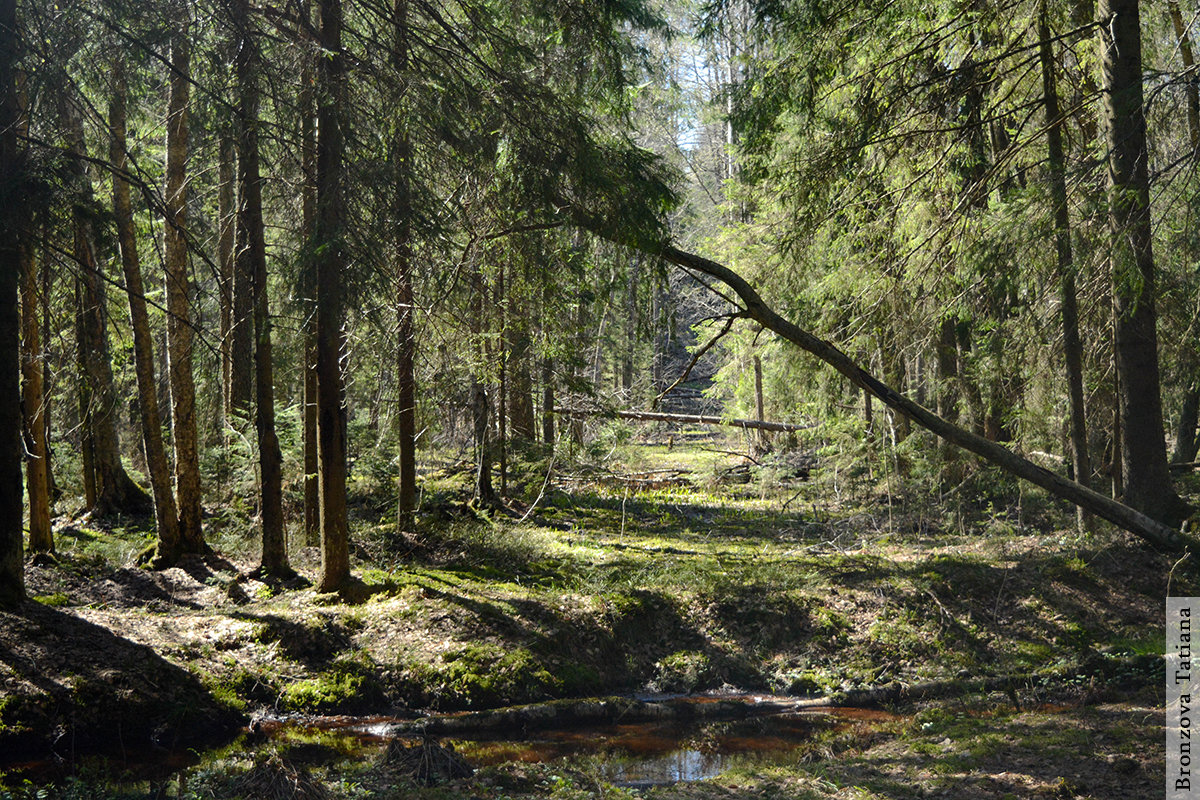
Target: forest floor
column 660, row 572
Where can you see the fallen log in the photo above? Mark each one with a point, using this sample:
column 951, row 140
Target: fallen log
column 588, row 711
column 1132, row 520
column 660, row 479
column 686, row 419
column 580, row 712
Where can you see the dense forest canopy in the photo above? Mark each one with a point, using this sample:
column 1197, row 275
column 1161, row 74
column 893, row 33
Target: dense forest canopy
column 256, row 251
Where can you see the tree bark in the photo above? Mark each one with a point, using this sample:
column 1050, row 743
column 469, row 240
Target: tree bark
column 947, row 393
column 631, row 324
column 1189, row 65
column 252, row 252
column 1068, row 301
column 521, row 395
column 108, row 487
column 501, row 361
column 548, row 400
column 83, row 391
column 12, row 233
column 1124, row 516
column 308, row 206
column 763, row 440
column 406, row 417
column 33, row 403
column 330, row 267
column 166, row 514
column 179, row 328
column 485, row 493
column 1143, row 448
column 47, row 376
column 33, row 395
column 312, row 495
column 1186, row 443
column 241, row 338
column 226, row 237
column 548, row 433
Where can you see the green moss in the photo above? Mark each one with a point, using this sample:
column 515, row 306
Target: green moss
column 13, row 711
column 55, row 600
column 324, row 692
column 683, row 671
column 807, row 683
column 577, row 679
column 228, row 697
column 346, row 687
column 483, row 675
column 1071, row 570
column 831, row 622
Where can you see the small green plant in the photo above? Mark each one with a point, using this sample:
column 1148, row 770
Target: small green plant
column 482, row 675
column 683, row 671
column 347, row 686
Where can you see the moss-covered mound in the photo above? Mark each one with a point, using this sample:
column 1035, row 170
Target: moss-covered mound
column 69, row 685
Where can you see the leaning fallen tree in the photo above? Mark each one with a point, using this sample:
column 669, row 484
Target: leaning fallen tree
column 1119, row 514
column 684, row 419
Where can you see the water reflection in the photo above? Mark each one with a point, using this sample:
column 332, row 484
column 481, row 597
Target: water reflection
column 632, row 754
column 655, row 753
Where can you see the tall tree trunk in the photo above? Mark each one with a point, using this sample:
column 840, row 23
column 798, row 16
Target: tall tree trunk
column 406, row 347
column 330, row 266
column 111, row 490
column 1186, row 442
column 312, row 495
column 251, row 249
column 631, row 320
column 33, row 395
column 241, row 338
column 83, row 392
column 485, row 494
column 12, row 232
column 947, row 394
column 33, row 402
column 501, row 361
column 1068, row 301
column 47, row 376
column 548, row 400
column 520, row 347
column 308, row 206
column 165, row 512
column 226, row 237
column 548, row 434
column 1143, row 448
column 521, row 405
column 762, row 437
column 894, row 372
column 179, row 328
column 868, row 415
column 1189, row 64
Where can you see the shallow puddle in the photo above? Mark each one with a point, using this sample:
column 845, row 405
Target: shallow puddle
column 653, row 753
column 629, row 754
column 637, row 753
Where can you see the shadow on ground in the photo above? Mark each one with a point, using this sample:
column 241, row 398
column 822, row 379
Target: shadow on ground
column 71, row 686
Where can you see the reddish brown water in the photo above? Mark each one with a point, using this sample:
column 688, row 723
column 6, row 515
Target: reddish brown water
column 637, row 754
column 657, row 753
